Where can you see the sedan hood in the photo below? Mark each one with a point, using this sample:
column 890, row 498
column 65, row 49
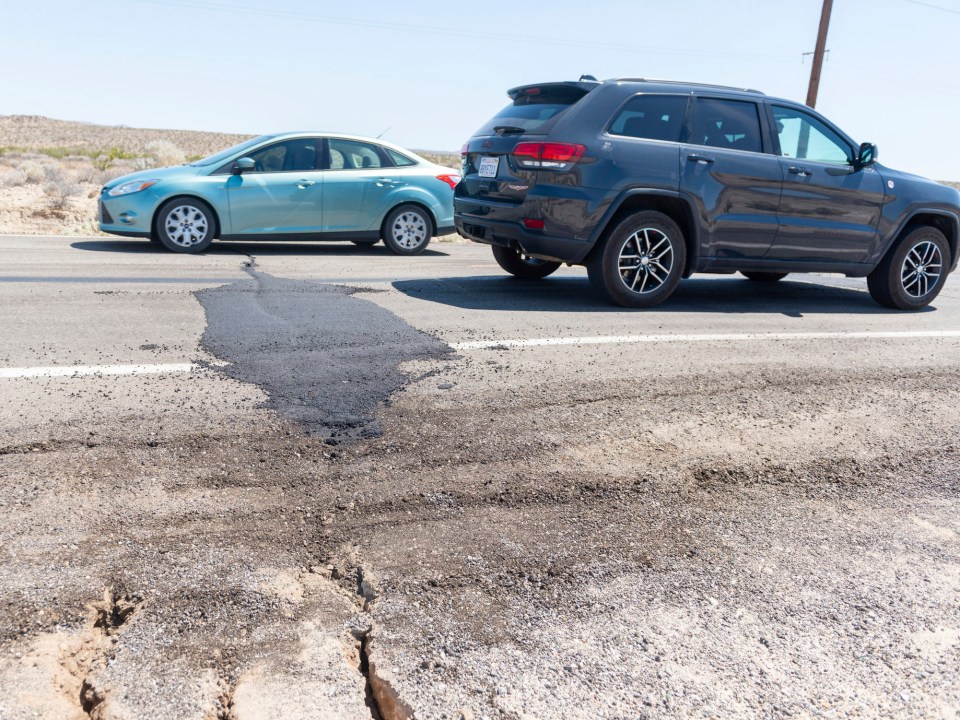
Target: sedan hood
column 167, row 173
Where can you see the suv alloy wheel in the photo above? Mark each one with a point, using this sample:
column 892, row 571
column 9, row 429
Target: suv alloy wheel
column 641, row 262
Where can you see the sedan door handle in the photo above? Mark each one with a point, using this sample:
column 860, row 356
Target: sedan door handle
column 702, row 159
column 802, row 172
column 387, row 182
column 304, row 184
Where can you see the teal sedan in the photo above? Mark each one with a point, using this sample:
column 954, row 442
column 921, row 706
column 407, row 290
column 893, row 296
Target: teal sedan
column 291, row 186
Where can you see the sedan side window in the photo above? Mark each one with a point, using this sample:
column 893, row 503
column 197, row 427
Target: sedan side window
column 804, row 137
column 297, row 155
column 354, row 155
column 652, row 117
column 730, row 124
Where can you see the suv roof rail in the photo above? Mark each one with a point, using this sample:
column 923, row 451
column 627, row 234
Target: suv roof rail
column 692, row 84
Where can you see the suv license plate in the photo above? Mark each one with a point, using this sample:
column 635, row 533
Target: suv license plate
column 488, row 167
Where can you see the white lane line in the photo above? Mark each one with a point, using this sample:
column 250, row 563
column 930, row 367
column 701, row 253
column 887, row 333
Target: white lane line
column 79, row 370
column 711, row 337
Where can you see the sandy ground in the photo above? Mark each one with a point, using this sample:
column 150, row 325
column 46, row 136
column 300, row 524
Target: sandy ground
column 764, row 529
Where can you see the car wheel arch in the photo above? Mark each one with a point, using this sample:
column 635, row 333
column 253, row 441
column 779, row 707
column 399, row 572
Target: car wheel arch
column 187, row 196
column 673, row 204
column 943, row 221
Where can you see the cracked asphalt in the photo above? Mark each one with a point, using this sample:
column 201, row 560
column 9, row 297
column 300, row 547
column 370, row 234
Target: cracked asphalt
column 334, row 514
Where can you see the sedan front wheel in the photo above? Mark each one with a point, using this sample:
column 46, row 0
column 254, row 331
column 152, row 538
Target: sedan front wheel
column 185, row 225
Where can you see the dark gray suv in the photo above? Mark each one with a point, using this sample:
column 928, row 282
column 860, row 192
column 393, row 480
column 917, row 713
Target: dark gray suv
column 646, row 182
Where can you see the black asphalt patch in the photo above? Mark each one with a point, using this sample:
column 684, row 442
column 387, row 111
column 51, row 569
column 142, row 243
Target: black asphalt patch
column 326, row 359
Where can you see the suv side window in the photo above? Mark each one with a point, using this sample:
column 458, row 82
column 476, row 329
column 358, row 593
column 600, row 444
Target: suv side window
column 730, row 124
column 354, row 155
column 652, row 117
column 804, row 137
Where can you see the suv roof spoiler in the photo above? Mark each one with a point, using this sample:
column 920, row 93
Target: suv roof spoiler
column 581, row 86
column 691, row 84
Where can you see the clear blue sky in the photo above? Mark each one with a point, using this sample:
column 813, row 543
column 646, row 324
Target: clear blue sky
column 433, row 71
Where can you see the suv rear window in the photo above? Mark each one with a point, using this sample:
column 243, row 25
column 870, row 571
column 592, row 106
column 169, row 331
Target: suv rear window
column 534, row 110
column 652, row 117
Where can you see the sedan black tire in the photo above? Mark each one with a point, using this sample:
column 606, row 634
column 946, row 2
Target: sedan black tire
column 641, row 262
column 764, row 277
column 913, row 272
column 407, row 230
column 523, row 266
column 185, row 225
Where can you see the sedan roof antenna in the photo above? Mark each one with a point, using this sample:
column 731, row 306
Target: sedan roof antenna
column 587, row 77
column 383, row 133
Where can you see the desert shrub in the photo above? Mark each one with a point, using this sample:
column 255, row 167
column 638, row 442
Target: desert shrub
column 60, row 191
column 105, row 176
column 105, row 159
column 33, row 170
column 13, row 178
column 164, row 152
column 86, row 174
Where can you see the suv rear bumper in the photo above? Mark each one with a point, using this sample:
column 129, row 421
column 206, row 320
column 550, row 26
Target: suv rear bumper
column 502, row 226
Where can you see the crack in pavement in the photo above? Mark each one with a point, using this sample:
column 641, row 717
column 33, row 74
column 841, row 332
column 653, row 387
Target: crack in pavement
column 110, row 614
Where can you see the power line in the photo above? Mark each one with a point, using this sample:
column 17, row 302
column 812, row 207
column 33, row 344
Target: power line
column 934, row 7
column 453, row 32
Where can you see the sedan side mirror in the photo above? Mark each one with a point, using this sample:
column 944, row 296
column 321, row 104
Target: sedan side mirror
column 243, row 165
column 867, row 155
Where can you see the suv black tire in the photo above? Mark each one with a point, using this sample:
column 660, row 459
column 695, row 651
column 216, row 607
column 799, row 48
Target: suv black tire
column 659, row 251
column 523, row 266
column 407, row 230
column 924, row 247
column 170, row 225
column 764, row 277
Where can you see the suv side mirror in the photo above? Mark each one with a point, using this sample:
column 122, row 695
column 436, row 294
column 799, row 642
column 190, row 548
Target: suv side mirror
column 867, row 155
column 243, row 165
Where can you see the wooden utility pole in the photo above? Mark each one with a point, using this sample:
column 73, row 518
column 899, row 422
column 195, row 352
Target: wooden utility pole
column 818, row 53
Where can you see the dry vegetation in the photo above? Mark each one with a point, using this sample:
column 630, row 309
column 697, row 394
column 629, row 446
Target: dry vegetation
column 51, row 171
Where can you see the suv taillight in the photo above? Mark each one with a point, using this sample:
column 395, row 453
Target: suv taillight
column 548, row 156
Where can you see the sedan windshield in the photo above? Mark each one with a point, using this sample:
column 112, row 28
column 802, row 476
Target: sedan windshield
column 224, row 154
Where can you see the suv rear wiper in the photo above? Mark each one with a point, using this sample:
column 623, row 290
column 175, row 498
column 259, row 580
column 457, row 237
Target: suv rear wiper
column 509, row 130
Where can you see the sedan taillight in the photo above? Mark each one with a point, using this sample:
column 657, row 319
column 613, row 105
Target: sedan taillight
column 548, row 156
column 450, row 180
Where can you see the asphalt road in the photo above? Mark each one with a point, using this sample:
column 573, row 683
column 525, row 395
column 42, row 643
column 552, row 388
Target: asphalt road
column 322, row 481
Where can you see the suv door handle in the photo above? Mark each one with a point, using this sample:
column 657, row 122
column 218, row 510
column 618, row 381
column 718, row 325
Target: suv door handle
column 304, row 184
column 802, row 172
column 702, row 159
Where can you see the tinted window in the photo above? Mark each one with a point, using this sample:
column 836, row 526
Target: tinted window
column 399, row 159
column 354, row 155
column 805, row 137
column 654, row 117
column 731, row 124
column 288, row 156
column 535, row 110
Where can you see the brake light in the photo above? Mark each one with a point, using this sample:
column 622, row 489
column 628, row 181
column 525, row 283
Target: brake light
column 450, row 180
column 548, row 156
column 533, row 223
